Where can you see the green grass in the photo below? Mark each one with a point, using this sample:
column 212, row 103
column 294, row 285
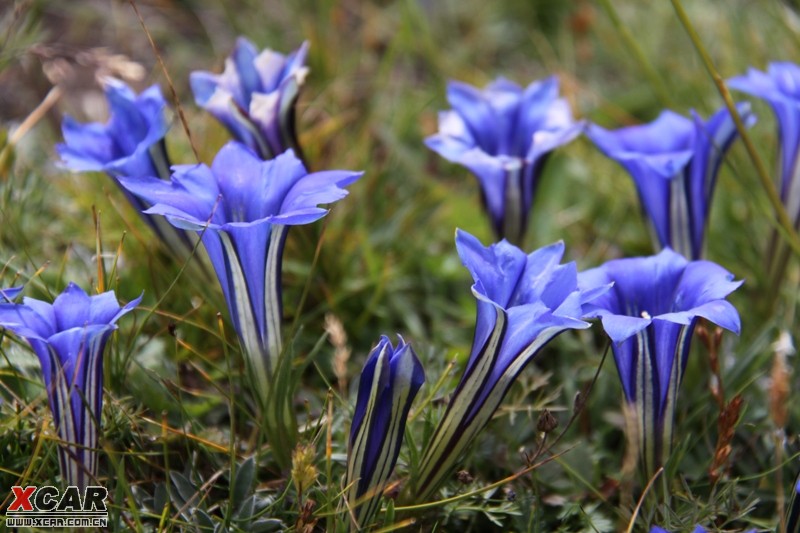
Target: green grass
column 182, row 445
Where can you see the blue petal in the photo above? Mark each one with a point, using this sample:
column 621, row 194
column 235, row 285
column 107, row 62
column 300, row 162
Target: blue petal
column 780, row 87
column 662, row 289
column 536, row 112
column 621, row 327
column 498, row 267
column 120, row 146
column 244, row 56
column 9, row 294
column 544, row 279
column 712, row 141
column 318, row 188
column 24, row 321
column 720, row 312
column 367, row 376
column 215, row 97
column 249, row 190
column 545, row 141
column 702, row 282
column 192, row 194
column 663, row 146
column 453, row 138
column 71, row 308
column 477, row 113
column 88, row 147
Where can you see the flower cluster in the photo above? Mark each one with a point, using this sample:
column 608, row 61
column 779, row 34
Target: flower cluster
column 243, row 204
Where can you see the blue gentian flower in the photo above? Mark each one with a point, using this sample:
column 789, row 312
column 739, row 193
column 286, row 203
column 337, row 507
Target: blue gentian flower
column 69, row 337
column 130, row 144
column 674, row 162
column 243, row 207
column 524, row 301
column 650, row 316
column 8, row 295
column 780, row 87
column 255, row 96
column 389, row 382
column 503, row 135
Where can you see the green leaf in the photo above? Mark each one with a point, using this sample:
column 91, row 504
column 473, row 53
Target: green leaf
column 243, row 481
column 203, row 521
column 184, row 490
column 265, row 525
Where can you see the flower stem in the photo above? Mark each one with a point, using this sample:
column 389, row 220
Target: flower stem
column 633, row 45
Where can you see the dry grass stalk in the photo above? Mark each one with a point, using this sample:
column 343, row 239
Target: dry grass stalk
column 726, row 424
column 341, row 354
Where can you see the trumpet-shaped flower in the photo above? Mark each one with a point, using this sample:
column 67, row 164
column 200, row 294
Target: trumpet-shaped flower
column 674, row 162
column 389, row 382
column 780, row 87
column 650, row 316
column 255, row 96
column 524, row 301
column 69, row 337
column 242, row 207
column 130, row 144
column 503, row 135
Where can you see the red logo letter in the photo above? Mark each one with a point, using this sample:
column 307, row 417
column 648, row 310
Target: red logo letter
column 22, row 498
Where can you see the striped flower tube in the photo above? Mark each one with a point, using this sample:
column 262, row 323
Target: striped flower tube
column 389, row 382
column 255, row 96
column 69, row 337
column 674, row 162
column 650, row 316
column 524, row 301
column 131, row 144
column 243, row 207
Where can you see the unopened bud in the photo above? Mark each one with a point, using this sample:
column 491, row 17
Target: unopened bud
column 547, row 422
column 464, row 477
